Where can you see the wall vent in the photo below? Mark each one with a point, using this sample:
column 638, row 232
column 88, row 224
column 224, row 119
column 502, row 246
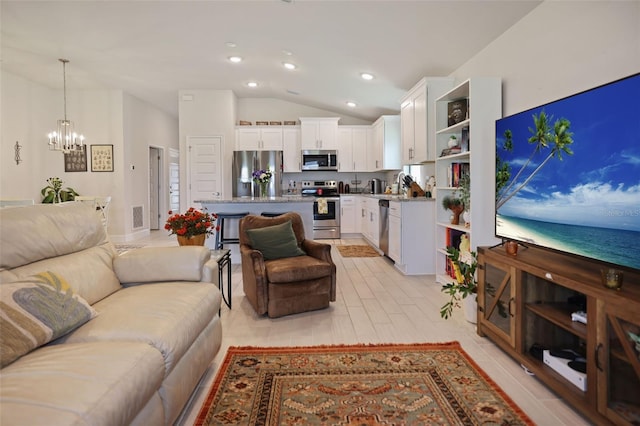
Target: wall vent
column 137, row 217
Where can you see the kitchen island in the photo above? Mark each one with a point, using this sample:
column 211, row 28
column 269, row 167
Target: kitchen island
column 257, row 205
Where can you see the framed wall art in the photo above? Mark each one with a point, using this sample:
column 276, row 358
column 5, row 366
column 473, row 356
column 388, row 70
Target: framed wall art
column 76, row 161
column 101, row 158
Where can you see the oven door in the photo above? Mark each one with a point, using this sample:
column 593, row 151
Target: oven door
column 326, row 218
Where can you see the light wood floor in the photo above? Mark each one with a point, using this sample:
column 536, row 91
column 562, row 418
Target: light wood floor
column 377, row 304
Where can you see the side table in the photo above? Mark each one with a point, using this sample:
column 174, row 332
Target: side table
column 223, row 258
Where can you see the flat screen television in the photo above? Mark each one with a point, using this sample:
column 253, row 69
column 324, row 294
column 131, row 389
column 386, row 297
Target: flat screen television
column 568, row 174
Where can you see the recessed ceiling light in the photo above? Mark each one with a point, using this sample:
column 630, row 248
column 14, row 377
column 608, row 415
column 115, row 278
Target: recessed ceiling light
column 287, row 52
column 252, row 84
column 289, row 65
column 366, row 76
column 235, row 59
column 352, row 104
column 230, row 44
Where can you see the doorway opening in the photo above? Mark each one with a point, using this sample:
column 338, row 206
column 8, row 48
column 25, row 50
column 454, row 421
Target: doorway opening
column 156, row 201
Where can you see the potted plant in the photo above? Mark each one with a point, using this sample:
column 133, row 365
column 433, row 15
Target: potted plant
column 192, row 227
column 453, row 203
column 463, row 265
column 53, row 192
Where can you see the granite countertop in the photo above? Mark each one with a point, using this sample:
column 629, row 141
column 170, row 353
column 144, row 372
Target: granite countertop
column 391, row 197
column 285, row 199
column 300, row 199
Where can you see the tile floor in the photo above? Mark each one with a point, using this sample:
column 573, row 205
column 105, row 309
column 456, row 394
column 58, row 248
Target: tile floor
column 376, row 304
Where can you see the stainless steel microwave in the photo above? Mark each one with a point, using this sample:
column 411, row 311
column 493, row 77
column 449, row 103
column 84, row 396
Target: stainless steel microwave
column 320, row 160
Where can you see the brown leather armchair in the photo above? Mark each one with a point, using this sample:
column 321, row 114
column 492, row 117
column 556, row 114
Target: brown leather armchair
column 289, row 285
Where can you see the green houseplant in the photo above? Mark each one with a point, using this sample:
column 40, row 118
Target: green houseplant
column 464, row 264
column 53, row 192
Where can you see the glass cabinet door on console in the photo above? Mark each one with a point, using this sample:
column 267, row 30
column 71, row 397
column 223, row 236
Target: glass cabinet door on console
column 496, row 302
column 618, row 363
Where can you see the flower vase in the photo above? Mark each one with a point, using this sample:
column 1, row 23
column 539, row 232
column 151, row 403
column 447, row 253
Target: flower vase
column 196, row 240
column 264, row 186
column 470, row 306
column 457, row 211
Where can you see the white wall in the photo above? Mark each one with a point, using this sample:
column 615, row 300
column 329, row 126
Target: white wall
column 206, row 113
column 559, row 49
column 30, row 111
column 269, row 109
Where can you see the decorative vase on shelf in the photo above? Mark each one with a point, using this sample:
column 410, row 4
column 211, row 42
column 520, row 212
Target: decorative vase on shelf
column 466, row 216
column 196, row 240
column 457, row 211
column 470, row 306
column 263, row 189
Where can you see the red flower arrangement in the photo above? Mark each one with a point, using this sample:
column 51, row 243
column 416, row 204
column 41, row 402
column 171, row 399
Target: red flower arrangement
column 193, row 222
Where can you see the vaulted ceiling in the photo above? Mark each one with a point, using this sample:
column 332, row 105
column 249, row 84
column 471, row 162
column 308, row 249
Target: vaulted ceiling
column 152, row 49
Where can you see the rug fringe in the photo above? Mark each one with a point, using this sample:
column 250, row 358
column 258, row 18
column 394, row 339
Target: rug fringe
column 452, row 343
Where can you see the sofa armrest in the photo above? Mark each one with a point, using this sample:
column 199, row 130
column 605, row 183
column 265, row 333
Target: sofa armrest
column 318, row 250
column 162, row 264
column 254, row 278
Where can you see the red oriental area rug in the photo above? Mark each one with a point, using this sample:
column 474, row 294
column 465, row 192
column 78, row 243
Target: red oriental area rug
column 415, row 384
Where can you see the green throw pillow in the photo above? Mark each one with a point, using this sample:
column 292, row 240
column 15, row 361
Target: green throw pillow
column 275, row 241
column 37, row 310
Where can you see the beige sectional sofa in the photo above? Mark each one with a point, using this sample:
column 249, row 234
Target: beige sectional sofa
column 148, row 324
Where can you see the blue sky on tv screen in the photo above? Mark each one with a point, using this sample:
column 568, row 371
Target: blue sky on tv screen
column 597, row 186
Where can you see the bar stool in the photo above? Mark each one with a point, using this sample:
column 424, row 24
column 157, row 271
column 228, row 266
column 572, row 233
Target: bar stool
column 220, row 238
column 271, row 214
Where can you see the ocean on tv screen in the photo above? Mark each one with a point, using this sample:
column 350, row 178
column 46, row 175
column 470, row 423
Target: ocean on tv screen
column 568, row 174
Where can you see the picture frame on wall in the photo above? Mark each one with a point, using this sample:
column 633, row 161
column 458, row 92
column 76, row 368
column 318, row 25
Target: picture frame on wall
column 76, row 160
column 101, row 158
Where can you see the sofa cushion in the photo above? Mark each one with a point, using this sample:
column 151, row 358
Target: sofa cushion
column 168, row 316
column 68, row 227
column 101, row 383
column 275, row 241
column 293, row 269
column 36, row 311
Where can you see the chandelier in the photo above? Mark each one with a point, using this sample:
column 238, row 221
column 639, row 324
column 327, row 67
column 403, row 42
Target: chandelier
column 64, row 138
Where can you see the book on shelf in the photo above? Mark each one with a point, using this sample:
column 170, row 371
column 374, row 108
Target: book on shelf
column 464, row 140
column 456, row 172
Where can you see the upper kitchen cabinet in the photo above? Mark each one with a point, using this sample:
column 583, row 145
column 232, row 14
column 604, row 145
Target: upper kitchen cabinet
column 385, row 150
column 291, row 161
column 418, row 119
column 258, row 138
column 353, row 143
column 319, row 132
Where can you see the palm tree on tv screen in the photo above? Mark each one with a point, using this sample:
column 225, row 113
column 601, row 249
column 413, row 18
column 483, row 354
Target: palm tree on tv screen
column 559, row 139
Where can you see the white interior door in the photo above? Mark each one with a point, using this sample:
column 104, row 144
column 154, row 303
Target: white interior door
column 205, row 168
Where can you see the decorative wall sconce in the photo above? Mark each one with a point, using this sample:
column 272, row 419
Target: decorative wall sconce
column 17, row 147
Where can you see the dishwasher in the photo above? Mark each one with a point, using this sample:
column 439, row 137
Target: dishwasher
column 384, row 226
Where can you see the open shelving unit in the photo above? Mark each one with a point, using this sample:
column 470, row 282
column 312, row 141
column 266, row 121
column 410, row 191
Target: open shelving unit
column 484, row 107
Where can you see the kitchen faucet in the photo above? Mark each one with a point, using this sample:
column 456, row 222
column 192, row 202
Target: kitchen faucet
column 401, row 183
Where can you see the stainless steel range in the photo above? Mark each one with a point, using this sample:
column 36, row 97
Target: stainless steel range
column 326, row 207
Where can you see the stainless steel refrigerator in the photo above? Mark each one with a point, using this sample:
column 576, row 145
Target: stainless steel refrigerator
column 246, row 162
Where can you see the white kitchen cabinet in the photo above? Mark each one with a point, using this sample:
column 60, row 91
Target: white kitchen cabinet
column 353, row 144
column 348, row 215
column 371, row 229
column 414, row 247
column 417, row 117
column 291, row 149
column 259, row 138
column 319, row 132
column 384, row 151
column 395, row 231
